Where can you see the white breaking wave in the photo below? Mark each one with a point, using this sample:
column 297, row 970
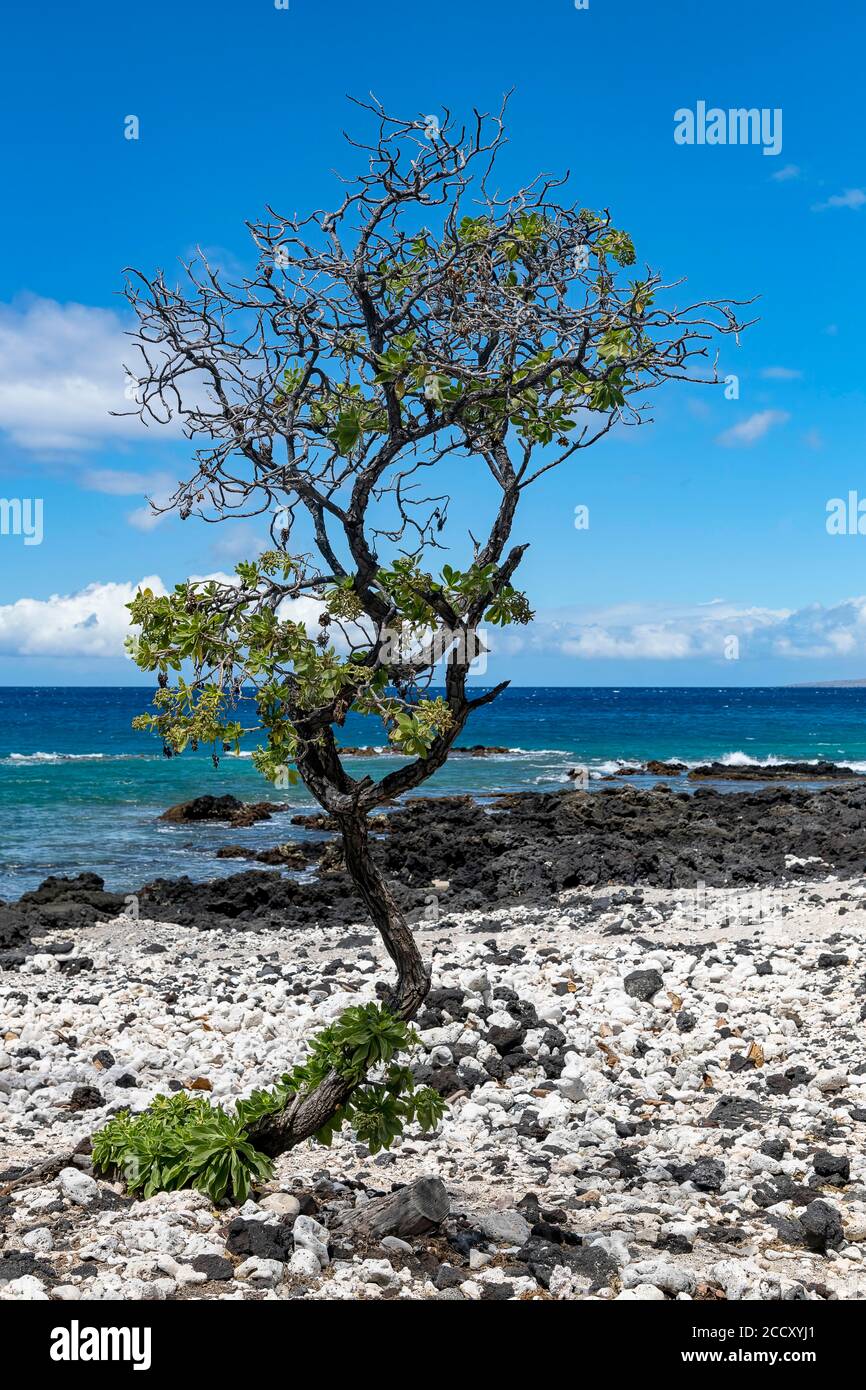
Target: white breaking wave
column 613, row 766
column 37, row 759
column 740, row 759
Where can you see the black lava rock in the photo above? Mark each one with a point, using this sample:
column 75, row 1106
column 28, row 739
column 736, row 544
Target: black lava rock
column 708, row 1174
column 836, row 1167
column 505, row 1040
column 822, row 1226
column 643, row 984
column 447, row 1277
column 270, row 1241
column 587, row 1261
column 214, row 1266
column 86, row 1098
column 774, row 1148
column 734, row 1112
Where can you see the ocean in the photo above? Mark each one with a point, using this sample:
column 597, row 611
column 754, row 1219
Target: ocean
column 80, row 790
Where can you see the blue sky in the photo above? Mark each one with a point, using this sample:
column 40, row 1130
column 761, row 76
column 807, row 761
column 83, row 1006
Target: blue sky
column 706, row 524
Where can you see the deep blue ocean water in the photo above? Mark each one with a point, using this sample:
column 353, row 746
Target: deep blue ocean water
column 79, row 789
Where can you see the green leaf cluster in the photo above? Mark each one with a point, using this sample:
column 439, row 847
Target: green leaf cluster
column 363, row 1039
column 184, row 1141
column 181, row 1141
column 415, row 730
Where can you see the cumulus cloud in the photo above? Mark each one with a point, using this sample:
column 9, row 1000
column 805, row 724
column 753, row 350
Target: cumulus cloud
column 94, row 623
column 753, row 428
column 695, row 632
column 784, row 175
column 61, row 376
column 647, row 640
column 853, row 198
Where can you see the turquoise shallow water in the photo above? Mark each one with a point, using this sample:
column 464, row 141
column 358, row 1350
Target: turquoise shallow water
column 80, row 790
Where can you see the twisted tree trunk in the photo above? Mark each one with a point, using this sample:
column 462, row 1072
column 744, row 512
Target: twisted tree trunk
column 413, row 976
column 275, row 1134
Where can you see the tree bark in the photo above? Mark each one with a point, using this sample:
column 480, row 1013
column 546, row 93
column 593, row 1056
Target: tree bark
column 275, row 1134
column 413, row 976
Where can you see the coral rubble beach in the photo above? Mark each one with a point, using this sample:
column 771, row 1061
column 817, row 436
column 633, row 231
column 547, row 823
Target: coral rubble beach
column 646, row 1017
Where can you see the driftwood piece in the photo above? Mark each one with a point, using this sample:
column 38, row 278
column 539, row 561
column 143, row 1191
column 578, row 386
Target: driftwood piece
column 410, row 1211
column 45, row 1170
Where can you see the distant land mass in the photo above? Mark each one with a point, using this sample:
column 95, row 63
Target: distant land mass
column 824, row 685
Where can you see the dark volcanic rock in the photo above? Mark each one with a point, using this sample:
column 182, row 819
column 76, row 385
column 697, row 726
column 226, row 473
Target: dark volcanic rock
column 270, row 1241
column 587, row 1261
column 221, row 808
column 776, row 772
column 822, row 1226
column 835, row 1167
column 708, row 1174
column 86, row 1098
column 523, row 846
column 654, row 768
column 15, row 1264
column 505, row 1040
column 734, row 1112
column 447, row 1277
column 254, row 898
column 774, row 1148
column 643, row 984
column 57, row 904
column 829, row 960
column 293, row 855
column 214, row 1266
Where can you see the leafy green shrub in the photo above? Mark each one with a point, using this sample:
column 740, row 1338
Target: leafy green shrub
column 181, row 1141
column 184, row 1141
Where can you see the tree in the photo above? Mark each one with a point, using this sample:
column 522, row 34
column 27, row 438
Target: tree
column 425, row 327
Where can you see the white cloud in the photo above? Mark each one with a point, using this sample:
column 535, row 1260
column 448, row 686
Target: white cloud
column 790, row 171
column 94, row 622
column 781, row 374
column 697, row 632
column 61, row 375
column 753, row 428
column 159, row 489
column 853, row 198
column 90, row 623
column 647, row 640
